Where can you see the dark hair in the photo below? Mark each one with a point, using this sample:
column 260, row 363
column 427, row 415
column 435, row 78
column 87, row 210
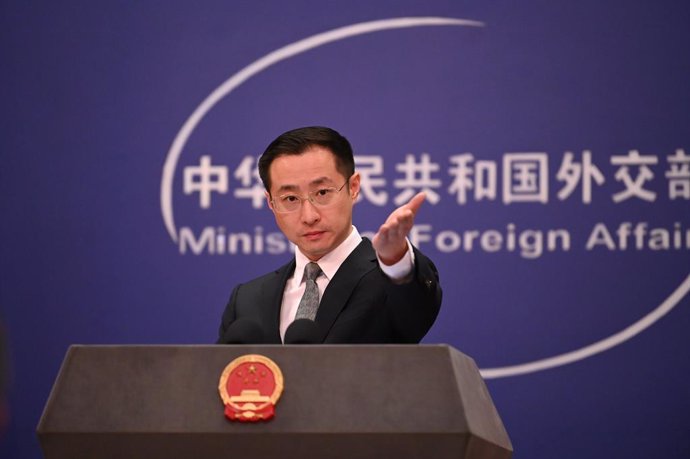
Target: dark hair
column 297, row 141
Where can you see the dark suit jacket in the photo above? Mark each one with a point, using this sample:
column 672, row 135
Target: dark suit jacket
column 360, row 304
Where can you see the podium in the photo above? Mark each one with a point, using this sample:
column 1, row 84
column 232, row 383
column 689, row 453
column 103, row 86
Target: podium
column 390, row 401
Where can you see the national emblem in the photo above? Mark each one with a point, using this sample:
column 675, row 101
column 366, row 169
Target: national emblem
column 250, row 386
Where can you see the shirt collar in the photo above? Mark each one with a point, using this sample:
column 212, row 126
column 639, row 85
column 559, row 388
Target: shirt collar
column 330, row 262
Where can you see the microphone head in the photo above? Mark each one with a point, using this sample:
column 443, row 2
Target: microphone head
column 303, row 331
column 243, row 331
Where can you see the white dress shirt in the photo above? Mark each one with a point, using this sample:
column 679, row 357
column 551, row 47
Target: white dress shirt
column 329, row 264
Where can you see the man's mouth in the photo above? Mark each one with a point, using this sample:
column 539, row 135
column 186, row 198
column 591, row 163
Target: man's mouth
column 313, row 235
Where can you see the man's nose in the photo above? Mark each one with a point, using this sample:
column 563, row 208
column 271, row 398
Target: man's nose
column 310, row 213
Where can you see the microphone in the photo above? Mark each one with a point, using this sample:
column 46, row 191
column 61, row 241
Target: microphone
column 303, row 331
column 243, row 331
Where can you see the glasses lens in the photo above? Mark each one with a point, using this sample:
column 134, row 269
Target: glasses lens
column 287, row 203
column 324, row 196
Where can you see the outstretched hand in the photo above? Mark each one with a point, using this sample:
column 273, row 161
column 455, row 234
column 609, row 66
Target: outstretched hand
column 389, row 242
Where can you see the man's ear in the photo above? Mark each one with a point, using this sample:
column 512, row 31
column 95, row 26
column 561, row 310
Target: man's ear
column 354, row 185
column 268, row 200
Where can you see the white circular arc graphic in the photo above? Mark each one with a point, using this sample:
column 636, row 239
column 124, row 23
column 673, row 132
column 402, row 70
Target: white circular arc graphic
column 257, row 66
column 594, row 348
column 341, row 33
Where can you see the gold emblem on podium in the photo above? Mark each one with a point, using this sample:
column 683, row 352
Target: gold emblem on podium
column 250, row 387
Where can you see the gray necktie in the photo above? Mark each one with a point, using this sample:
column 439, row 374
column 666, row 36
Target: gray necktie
column 310, row 300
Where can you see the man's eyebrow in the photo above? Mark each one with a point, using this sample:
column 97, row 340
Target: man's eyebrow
column 316, row 182
column 321, row 181
column 287, row 188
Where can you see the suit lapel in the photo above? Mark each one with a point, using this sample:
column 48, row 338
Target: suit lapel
column 274, row 292
column 357, row 264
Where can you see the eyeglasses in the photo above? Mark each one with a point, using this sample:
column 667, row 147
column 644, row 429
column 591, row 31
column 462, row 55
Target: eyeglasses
column 322, row 197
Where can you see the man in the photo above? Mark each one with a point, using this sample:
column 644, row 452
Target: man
column 354, row 290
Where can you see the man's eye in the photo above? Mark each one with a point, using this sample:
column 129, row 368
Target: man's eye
column 323, row 192
column 289, row 198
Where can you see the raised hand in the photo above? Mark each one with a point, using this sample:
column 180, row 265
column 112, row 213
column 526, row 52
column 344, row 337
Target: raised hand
column 389, row 242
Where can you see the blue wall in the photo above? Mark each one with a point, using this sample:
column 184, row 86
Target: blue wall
column 552, row 138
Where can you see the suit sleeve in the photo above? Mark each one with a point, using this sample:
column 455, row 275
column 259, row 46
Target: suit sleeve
column 414, row 305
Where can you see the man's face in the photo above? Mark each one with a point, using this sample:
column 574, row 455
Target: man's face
column 315, row 230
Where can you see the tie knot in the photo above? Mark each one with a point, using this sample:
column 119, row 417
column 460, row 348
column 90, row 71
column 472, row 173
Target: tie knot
column 311, row 271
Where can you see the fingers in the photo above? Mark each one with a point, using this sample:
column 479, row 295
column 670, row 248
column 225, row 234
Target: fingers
column 394, row 231
column 416, row 202
column 400, row 223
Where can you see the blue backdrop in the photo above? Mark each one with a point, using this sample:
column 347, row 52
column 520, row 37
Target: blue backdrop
column 552, row 140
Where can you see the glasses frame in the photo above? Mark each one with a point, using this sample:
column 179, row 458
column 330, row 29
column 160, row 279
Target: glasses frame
column 310, row 198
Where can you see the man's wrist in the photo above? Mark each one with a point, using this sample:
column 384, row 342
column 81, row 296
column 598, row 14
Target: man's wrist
column 402, row 269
